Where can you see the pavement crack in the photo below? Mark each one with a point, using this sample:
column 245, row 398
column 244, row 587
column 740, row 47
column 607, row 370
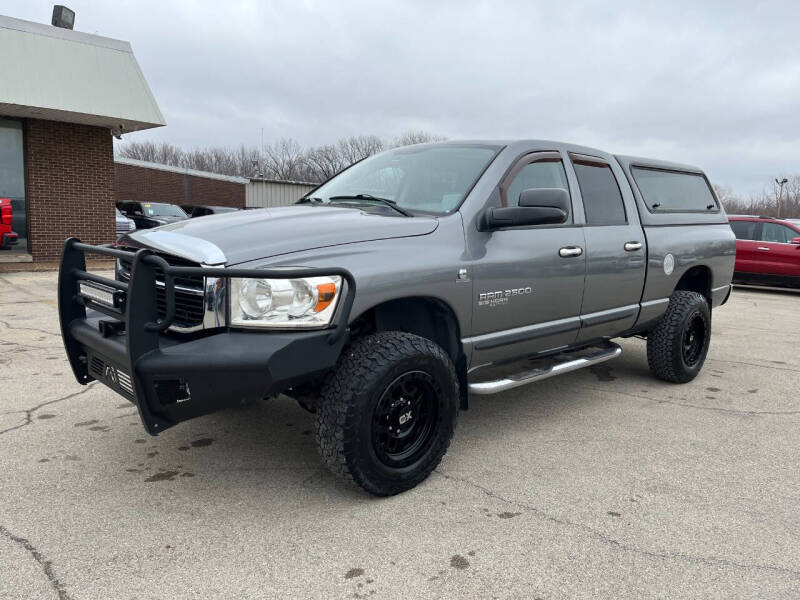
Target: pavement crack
column 46, row 565
column 29, row 411
column 9, row 326
column 749, row 364
column 12, row 345
column 610, row 541
column 734, row 411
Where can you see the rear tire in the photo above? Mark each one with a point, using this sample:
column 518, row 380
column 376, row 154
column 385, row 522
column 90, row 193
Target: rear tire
column 387, row 413
column 677, row 346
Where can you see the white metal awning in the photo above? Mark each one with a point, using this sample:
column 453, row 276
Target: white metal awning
column 63, row 75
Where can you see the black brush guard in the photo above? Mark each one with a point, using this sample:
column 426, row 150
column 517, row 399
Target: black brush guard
column 172, row 378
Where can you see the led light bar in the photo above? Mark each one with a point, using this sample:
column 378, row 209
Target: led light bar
column 100, row 294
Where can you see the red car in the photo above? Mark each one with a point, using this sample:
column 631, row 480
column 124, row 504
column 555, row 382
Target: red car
column 767, row 250
column 7, row 237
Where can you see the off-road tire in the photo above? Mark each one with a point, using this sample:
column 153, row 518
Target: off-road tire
column 353, row 393
column 665, row 342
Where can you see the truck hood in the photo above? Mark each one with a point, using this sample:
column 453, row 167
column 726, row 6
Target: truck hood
column 164, row 219
column 247, row 235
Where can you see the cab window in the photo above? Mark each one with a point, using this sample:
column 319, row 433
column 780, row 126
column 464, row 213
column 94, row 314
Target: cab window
column 543, row 173
column 674, row 191
column 602, row 200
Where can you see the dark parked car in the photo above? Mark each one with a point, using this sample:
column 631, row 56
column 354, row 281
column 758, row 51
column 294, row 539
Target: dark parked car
column 767, row 251
column 147, row 215
column 198, row 210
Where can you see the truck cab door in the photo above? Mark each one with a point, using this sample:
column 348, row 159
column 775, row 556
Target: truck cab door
column 616, row 251
column 528, row 281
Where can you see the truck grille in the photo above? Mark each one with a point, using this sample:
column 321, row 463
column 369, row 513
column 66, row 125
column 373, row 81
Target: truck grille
column 189, row 292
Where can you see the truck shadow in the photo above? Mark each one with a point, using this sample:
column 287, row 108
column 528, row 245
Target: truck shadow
column 766, row 290
column 270, row 446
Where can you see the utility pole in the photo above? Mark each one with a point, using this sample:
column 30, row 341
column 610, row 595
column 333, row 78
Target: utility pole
column 781, row 183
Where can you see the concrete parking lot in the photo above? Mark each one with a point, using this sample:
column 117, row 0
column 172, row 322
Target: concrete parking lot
column 603, row 483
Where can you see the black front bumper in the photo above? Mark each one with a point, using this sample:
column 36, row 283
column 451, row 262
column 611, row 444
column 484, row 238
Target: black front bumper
column 172, row 378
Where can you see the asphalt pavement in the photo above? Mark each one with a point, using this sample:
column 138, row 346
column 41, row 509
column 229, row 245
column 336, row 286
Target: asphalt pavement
column 604, row 483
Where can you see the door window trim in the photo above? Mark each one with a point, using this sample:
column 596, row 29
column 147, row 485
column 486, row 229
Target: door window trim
column 528, row 159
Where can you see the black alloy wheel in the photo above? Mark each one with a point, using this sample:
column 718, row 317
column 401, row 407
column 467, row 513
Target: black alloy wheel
column 404, row 419
column 388, row 411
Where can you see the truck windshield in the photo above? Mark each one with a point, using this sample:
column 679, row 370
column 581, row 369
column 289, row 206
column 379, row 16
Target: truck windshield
column 156, row 209
column 428, row 179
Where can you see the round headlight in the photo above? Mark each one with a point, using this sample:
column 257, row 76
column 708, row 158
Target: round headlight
column 255, row 298
column 304, row 298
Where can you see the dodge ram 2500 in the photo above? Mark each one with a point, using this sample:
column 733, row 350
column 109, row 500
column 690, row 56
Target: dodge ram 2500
column 391, row 293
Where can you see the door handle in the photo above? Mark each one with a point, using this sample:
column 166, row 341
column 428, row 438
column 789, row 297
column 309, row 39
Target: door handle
column 631, row 246
column 763, row 248
column 568, row 251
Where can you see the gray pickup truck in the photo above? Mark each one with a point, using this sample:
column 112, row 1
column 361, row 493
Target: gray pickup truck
column 390, row 293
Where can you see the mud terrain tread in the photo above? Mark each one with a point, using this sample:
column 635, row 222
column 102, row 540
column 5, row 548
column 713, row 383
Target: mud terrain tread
column 360, row 368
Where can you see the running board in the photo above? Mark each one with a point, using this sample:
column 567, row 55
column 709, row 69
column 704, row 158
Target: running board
column 566, row 365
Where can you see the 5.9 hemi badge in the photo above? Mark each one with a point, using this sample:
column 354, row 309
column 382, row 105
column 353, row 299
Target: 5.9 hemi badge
column 501, row 297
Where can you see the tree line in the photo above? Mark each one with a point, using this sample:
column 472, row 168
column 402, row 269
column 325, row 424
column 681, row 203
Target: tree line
column 285, row 159
column 771, row 202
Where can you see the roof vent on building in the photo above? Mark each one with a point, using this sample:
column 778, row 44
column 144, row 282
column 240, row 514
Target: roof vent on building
column 63, row 17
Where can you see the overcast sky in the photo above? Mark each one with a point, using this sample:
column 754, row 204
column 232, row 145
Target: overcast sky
column 713, row 84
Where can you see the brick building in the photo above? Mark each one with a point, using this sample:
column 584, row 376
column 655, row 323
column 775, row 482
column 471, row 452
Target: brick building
column 63, row 94
column 141, row 181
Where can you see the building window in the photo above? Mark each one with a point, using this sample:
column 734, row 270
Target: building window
column 12, row 184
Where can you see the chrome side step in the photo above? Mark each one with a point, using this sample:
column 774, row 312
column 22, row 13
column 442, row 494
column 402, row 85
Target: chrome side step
column 566, row 365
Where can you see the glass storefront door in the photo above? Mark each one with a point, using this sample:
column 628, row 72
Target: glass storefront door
column 12, row 185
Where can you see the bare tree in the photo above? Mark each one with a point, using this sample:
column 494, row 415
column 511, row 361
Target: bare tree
column 163, row 153
column 764, row 203
column 416, row 137
column 324, row 162
column 284, row 159
column 354, row 149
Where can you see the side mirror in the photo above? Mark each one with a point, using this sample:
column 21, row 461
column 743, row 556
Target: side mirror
column 795, row 240
column 537, row 206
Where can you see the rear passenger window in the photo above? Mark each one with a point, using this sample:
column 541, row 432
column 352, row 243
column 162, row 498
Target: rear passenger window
column 744, row 230
column 674, row 191
column 602, row 200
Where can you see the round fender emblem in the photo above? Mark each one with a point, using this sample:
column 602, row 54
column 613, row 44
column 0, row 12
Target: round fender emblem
column 669, row 264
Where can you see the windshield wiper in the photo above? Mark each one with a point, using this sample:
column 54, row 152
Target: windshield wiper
column 309, row 200
column 371, row 198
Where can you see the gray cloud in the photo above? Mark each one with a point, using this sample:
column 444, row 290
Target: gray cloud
column 711, row 83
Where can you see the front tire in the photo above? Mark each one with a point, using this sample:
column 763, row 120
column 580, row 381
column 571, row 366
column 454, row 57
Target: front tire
column 678, row 345
column 386, row 416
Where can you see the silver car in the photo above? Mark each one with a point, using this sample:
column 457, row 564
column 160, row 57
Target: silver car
column 124, row 224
